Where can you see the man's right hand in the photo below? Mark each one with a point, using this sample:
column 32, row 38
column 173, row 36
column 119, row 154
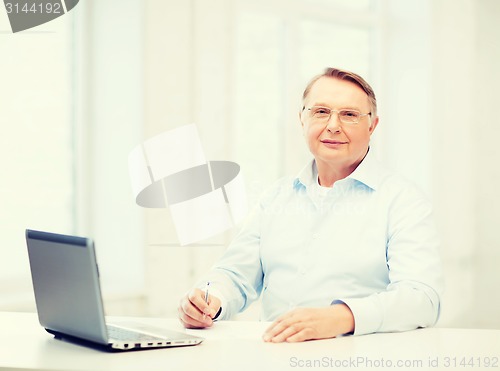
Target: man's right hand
column 194, row 312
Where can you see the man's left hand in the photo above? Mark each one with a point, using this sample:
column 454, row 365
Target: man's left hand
column 302, row 324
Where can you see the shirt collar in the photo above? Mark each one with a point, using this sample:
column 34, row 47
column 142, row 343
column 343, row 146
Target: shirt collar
column 306, row 176
column 369, row 172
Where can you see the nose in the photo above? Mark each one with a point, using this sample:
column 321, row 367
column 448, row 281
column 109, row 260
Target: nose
column 333, row 124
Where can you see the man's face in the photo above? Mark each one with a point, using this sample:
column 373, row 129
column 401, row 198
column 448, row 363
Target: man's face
column 335, row 143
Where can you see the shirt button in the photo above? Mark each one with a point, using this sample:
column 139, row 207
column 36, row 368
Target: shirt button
column 315, row 236
column 302, row 271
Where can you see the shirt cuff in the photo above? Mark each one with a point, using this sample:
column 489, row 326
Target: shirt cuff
column 216, row 317
column 223, row 304
column 367, row 315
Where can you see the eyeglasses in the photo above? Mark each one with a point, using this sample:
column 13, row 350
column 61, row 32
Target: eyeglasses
column 323, row 114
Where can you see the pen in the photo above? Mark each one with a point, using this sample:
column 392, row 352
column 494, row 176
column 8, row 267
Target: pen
column 206, row 295
column 206, row 291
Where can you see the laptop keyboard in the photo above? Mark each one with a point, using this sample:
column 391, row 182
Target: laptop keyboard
column 122, row 334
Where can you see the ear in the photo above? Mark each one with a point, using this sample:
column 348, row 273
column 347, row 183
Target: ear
column 300, row 118
column 373, row 125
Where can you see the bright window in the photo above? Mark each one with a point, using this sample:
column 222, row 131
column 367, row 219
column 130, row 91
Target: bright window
column 36, row 145
column 36, row 142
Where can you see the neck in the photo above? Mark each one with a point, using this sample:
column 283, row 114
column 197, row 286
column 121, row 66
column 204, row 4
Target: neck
column 329, row 173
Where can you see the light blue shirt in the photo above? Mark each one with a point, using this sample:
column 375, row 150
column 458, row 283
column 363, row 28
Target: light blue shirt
column 369, row 242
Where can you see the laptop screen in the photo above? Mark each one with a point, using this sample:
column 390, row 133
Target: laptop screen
column 66, row 284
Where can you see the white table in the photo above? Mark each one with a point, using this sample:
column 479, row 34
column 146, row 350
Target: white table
column 232, row 345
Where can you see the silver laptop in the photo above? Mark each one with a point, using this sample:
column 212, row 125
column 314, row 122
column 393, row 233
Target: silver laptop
column 69, row 302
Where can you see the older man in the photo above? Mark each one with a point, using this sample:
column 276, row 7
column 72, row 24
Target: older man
column 346, row 247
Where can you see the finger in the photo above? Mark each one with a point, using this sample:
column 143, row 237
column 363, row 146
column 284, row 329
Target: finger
column 277, row 322
column 197, row 298
column 213, row 306
column 288, row 316
column 276, row 328
column 210, row 307
column 190, row 322
column 270, row 331
column 285, row 334
column 206, row 308
column 193, row 312
column 303, row 335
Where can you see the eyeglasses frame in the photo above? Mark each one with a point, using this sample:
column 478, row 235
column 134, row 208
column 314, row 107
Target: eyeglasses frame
column 338, row 114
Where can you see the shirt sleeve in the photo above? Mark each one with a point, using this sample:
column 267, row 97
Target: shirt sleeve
column 236, row 279
column 412, row 297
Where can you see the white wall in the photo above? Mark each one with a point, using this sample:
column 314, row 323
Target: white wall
column 109, row 98
column 465, row 45
column 485, row 133
column 438, row 71
column 405, row 94
column 36, row 162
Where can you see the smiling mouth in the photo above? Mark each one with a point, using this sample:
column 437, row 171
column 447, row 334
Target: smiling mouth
column 332, row 142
